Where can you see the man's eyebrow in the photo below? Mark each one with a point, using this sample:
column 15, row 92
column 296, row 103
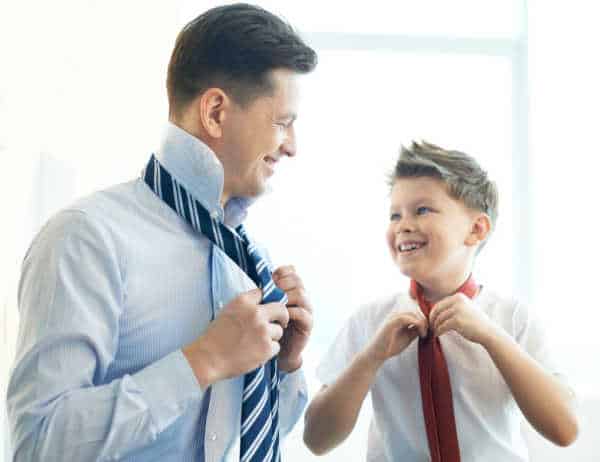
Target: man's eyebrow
column 290, row 116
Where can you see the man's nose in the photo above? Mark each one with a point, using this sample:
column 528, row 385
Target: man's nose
column 288, row 147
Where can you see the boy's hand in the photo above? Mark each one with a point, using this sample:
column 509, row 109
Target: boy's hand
column 458, row 313
column 296, row 334
column 397, row 332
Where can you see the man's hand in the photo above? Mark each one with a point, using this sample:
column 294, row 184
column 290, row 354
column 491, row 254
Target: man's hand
column 396, row 333
column 296, row 334
column 245, row 335
column 459, row 313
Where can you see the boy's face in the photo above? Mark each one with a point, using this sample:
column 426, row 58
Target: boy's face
column 431, row 236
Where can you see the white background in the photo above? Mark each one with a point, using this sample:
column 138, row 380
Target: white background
column 83, row 103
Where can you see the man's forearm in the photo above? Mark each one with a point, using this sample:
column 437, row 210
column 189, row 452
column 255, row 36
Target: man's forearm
column 100, row 422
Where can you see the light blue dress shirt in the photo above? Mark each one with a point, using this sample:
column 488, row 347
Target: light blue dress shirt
column 111, row 289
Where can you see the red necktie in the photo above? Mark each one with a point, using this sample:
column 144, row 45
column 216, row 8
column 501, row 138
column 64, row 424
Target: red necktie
column 436, row 392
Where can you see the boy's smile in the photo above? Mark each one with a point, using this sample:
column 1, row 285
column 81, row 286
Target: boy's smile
column 430, row 234
column 410, row 247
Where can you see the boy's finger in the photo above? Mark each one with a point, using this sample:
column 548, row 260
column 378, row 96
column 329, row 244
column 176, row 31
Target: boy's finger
column 442, row 317
column 437, row 309
column 422, row 327
column 445, row 327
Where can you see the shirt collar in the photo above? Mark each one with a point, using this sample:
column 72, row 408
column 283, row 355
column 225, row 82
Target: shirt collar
column 199, row 170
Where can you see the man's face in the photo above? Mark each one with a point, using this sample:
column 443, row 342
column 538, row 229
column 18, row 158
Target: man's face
column 258, row 136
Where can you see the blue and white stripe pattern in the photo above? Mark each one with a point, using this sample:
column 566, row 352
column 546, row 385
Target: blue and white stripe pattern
column 260, row 400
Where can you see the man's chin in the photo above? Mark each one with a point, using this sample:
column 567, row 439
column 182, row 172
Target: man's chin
column 257, row 191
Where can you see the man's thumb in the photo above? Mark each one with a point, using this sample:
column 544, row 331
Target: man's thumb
column 255, row 295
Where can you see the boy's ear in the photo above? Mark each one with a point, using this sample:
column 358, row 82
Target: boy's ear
column 480, row 228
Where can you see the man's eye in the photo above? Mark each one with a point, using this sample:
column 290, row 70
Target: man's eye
column 423, row 210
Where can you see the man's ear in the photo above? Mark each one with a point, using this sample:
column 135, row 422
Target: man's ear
column 480, row 229
column 212, row 107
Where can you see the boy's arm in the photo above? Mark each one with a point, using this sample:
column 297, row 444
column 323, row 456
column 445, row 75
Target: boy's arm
column 332, row 414
column 547, row 404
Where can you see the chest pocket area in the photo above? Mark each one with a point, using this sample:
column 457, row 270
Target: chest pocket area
column 228, row 280
column 473, row 373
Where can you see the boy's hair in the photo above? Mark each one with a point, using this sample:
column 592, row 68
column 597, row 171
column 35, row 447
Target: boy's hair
column 465, row 179
column 233, row 47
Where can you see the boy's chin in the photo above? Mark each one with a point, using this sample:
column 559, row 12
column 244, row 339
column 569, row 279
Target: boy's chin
column 410, row 273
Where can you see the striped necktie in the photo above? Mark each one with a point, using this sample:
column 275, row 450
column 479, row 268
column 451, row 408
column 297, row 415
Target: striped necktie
column 260, row 399
column 436, row 391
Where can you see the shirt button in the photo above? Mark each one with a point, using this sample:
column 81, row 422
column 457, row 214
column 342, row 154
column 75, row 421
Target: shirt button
column 220, row 304
column 213, row 437
column 214, row 214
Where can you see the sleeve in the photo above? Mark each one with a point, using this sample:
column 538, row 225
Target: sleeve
column 349, row 342
column 293, row 397
column 70, row 301
column 532, row 335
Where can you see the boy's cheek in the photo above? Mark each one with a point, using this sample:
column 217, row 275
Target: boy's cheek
column 390, row 239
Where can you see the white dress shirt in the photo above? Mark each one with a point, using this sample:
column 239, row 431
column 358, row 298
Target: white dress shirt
column 111, row 289
column 487, row 416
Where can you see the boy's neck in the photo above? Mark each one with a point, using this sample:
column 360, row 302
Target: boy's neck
column 435, row 290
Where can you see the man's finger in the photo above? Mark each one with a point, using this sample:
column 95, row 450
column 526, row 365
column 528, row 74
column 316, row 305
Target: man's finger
column 289, row 282
column 298, row 297
column 301, row 317
column 275, row 347
column 276, row 312
column 283, row 271
column 275, row 331
column 254, row 296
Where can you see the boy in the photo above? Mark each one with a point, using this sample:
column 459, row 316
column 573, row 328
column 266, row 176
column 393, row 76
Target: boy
column 453, row 394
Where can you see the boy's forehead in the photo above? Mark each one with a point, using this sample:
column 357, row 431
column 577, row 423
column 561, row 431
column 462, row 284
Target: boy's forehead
column 418, row 188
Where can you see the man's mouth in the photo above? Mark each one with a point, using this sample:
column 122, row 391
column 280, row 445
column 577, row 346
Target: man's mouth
column 270, row 161
column 406, row 247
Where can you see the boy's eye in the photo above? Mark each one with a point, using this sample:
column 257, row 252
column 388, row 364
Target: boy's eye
column 394, row 217
column 423, row 210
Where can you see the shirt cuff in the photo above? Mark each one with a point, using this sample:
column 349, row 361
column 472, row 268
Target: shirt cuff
column 169, row 386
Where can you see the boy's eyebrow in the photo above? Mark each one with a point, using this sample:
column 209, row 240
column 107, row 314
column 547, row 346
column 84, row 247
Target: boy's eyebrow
column 419, row 200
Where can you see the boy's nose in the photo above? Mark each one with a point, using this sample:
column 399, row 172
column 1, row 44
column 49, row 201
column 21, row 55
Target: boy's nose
column 405, row 225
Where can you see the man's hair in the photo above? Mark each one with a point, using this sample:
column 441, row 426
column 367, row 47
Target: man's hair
column 233, row 47
column 465, row 179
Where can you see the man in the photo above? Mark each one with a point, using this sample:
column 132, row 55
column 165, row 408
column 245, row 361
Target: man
column 143, row 334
